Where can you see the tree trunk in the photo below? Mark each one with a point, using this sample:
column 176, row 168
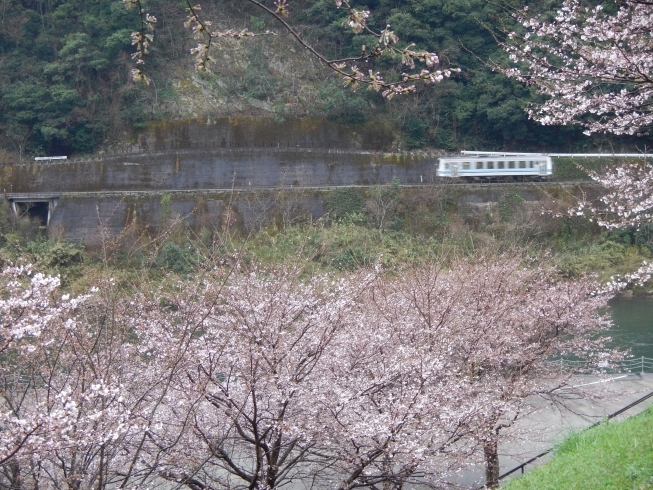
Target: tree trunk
column 15, row 478
column 491, row 453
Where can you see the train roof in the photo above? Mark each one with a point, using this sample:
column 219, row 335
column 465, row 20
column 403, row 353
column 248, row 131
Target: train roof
column 495, row 158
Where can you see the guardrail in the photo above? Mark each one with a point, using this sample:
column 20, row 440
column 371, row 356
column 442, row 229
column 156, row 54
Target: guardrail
column 278, row 148
column 212, row 149
column 638, row 365
column 47, row 159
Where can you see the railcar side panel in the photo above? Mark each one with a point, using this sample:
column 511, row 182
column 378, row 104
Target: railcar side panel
column 489, row 168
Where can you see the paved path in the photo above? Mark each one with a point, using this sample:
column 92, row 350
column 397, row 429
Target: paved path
column 547, row 425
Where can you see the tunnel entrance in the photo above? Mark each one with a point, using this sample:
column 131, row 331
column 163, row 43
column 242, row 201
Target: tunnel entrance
column 36, row 211
column 37, row 208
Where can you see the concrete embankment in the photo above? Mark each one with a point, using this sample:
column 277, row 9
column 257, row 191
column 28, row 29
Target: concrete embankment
column 220, row 169
column 199, row 170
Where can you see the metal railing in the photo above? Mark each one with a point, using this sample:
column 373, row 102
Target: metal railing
column 245, row 148
column 637, row 365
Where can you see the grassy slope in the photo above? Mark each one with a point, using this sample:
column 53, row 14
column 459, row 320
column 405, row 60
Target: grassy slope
column 615, row 455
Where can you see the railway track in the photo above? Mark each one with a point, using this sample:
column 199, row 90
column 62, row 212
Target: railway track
column 320, row 188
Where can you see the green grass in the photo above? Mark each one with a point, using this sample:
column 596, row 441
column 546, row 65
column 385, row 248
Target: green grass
column 612, row 456
column 601, row 256
column 347, row 246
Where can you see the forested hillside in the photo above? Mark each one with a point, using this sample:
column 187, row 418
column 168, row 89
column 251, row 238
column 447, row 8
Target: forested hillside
column 65, row 65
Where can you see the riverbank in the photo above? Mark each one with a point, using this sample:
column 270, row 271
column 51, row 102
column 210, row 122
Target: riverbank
column 611, row 456
column 547, row 425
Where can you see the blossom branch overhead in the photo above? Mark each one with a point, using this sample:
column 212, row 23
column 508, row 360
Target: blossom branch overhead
column 387, row 44
column 141, row 39
column 595, row 69
column 626, row 201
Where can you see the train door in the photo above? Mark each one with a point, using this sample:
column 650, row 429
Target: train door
column 543, row 168
column 454, row 169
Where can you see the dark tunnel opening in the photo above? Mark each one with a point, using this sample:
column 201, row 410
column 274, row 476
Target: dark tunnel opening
column 36, row 211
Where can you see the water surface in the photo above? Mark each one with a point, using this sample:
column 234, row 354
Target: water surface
column 633, row 325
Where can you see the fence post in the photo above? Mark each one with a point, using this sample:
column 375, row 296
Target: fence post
column 642, row 364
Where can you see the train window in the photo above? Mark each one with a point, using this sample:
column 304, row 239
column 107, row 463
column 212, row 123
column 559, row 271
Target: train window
column 490, row 165
column 446, row 166
column 511, row 164
column 530, row 164
column 479, row 165
column 522, row 164
column 501, row 164
column 465, row 165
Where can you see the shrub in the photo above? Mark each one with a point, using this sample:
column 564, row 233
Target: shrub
column 509, row 205
column 173, row 258
column 344, row 202
column 349, row 259
column 62, row 255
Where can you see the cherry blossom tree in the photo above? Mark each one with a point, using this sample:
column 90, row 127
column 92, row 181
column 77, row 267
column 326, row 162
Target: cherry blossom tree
column 236, row 356
column 284, row 379
column 593, row 67
column 399, row 419
column 289, row 381
column 493, row 324
column 66, row 413
column 387, row 45
column 81, row 395
column 252, row 377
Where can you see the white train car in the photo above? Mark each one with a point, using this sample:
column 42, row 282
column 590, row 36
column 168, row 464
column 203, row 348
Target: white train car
column 496, row 168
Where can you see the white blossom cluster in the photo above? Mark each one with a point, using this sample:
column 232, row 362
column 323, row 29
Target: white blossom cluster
column 596, row 69
column 251, row 377
column 141, row 39
column 59, row 399
column 628, row 200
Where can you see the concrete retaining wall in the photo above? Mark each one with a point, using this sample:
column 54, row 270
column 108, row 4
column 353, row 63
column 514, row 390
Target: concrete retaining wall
column 220, row 169
column 86, row 218
column 196, row 163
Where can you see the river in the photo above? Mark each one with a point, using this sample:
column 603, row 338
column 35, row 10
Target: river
column 633, row 325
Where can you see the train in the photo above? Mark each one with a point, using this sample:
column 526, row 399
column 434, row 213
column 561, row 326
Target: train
column 481, row 168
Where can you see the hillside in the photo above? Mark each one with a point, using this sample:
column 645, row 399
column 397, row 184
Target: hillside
column 65, row 82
